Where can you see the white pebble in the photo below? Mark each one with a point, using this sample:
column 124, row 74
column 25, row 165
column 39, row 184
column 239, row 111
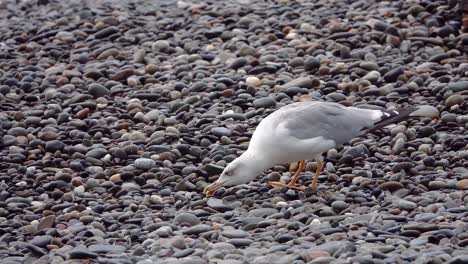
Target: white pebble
column 253, row 81
column 316, row 221
column 156, row 199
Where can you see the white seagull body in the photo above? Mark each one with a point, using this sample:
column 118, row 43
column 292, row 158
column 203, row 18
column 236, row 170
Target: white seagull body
column 302, row 131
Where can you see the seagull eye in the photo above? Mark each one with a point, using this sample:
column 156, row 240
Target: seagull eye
column 228, row 173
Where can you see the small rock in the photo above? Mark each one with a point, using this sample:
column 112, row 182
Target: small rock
column 186, row 219
column 404, row 204
column 238, row 63
column 218, row 205
column 372, row 76
column 253, row 81
column 240, row 242
column 314, row 254
column 221, row 131
column 106, row 32
column 97, row 90
column 302, row 82
column 235, row 233
column 458, row 86
column 339, row 205
column 46, row 222
column 311, row 64
column 264, row 102
column 54, row 145
column 41, row 241
column 144, row 163
column 106, row 249
column 81, row 254
column 437, row 185
column 426, row 111
column 391, row 186
column 392, row 75
column 139, row 56
column 454, row 99
column 160, row 45
column 153, row 115
column 462, row 184
column 197, row 229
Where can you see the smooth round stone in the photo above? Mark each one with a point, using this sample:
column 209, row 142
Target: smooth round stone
column 237, row 63
column 437, row 185
column 296, row 62
column 426, row 111
column 153, row 115
column 186, row 219
column 97, row 90
column 392, row 75
column 108, row 54
column 136, row 136
column 115, row 178
column 458, row 86
column 144, row 163
column 41, row 241
column 139, row 56
column 235, row 233
column 253, row 81
column 339, row 205
column 17, row 131
column 311, row 63
column 220, row 131
column 218, row 205
column 81, row 254
column 454, row 99
column 196, row 229
column 405, row 205
column 54, row 145
column 302, row 82
column 97, row 153
column 106, row 32
column 264, row 102
column 240, row 242
column 368, row 65
column 462, row 184
column 311, row 255
column 160, row 45
column 336, row 97
column 391, row 186
column 372, row 76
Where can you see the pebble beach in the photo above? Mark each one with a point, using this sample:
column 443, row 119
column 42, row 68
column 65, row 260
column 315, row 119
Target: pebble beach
column 115, row 115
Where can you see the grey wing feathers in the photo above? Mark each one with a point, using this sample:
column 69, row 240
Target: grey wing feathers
column 392, row 116
column 329, row 120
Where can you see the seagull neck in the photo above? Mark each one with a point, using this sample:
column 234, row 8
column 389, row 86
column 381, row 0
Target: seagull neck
column 256, row 161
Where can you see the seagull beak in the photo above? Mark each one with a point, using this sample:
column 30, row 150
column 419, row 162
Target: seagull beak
column 212, row 188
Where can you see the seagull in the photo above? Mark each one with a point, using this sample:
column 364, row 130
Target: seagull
column 303, row 131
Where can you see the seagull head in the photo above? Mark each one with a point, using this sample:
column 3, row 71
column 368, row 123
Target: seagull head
column 241, row 170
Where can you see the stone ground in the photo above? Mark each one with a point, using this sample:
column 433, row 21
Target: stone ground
column 116, row 114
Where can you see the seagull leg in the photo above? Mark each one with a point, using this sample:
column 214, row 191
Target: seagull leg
column 296, row 175
column 292, row 183
column 317, row 174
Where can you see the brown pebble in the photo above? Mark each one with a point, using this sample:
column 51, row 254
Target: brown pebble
column 46, row 222
column 115, row 178
column 391, row 186
column 167, row 156
column 462, row 184
column 82, row 114
column 123, row 74
column 314, row 254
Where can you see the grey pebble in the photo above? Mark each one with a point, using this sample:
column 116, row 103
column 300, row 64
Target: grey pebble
column 144, row 163
column 265, row 102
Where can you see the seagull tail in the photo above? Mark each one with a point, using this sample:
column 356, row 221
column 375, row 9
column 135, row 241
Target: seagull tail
column 389, row 117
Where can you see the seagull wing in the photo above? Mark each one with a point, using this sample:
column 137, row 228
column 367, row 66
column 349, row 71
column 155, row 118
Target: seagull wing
column 332, row 121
